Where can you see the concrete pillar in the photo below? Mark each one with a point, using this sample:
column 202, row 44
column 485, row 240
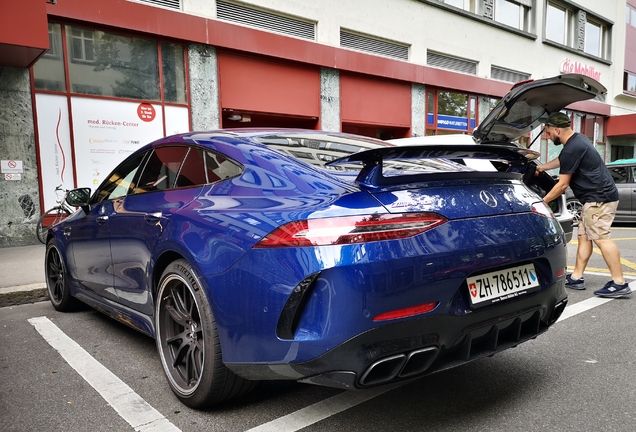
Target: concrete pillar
column 418, row 110
column 204, row 87
column 19, row 199
column 330, row 100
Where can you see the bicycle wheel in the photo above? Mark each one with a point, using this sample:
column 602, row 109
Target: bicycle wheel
column 48, row 219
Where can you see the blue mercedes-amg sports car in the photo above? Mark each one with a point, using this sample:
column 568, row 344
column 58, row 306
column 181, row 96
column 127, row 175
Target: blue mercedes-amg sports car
column 313, row 256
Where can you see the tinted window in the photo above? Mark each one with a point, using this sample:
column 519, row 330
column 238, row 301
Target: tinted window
column 161, row 169
column 319, row 149
column 219, row 168
column 203, row 167
column 619, row 174
column 120, row 181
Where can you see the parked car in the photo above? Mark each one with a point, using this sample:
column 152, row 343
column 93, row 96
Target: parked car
column 623, row 173
column 541, row 186
column 318, row 257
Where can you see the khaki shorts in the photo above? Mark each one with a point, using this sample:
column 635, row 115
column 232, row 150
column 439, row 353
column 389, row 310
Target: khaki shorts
column 596, row 220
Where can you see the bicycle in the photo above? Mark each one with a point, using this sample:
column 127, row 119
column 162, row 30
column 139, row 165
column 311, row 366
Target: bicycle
column 53, row 215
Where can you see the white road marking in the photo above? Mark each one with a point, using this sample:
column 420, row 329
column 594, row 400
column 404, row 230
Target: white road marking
column 319, row 411
column 128, row 404
column 141, row 416
column 582, row 306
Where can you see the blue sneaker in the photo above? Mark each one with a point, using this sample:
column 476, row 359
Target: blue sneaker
column 577, row 284
column 613, row 290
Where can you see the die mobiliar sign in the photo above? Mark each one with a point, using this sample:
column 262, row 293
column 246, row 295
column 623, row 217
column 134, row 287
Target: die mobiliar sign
column 569, row 66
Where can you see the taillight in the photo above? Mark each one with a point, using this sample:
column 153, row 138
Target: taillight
column 543, row 209
column 406, row 312
column 350, row 229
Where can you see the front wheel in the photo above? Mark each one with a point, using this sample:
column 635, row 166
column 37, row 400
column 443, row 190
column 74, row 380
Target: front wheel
column 48, row 219
column 188, row 341
column 574, row 206
column 57, row 279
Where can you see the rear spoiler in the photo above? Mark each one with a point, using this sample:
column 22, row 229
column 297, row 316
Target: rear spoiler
column 372, row 161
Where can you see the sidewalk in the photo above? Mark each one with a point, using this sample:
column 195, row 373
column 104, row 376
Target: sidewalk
column 22, row 275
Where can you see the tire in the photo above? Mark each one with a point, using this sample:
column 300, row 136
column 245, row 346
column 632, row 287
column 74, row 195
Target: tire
column 58, row 214
column 188, row 342
column 574, row 206
column 57, row 280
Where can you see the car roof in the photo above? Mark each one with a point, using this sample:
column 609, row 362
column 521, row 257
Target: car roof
column 623, row 162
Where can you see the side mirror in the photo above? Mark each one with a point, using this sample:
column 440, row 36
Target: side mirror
column 79, row 197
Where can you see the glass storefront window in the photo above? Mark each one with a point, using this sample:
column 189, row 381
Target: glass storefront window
column 452, row 104
column 49, row 70
column 430, row 118
column 173, row 67
column 455, row 112
column 107, row 64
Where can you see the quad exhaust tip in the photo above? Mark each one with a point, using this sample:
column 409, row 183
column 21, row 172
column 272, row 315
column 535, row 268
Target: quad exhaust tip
column 400, row 365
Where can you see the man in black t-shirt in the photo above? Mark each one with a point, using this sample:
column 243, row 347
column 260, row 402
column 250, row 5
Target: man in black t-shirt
column 581, row 168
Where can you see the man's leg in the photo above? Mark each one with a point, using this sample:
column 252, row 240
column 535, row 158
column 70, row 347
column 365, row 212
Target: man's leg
column 612, row 257
column 583, row 254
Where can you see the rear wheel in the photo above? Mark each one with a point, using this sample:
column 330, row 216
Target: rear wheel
column 188, row 342
column 574, row 206
column 47, row 220
column 56, row 279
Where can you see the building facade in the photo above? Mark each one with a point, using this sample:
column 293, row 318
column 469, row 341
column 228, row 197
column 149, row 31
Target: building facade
column 83, row 83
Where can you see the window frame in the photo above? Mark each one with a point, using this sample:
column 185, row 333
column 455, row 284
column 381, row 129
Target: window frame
column 575, row 17
column 626, row 78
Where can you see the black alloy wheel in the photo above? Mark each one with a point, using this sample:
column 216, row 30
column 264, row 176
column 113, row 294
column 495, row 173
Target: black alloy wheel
column 56, row 279
column 188, row 341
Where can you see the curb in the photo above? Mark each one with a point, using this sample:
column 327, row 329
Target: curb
column 17, row 295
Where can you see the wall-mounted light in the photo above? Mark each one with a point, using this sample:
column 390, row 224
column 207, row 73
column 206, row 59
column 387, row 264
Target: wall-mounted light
column 235, row 117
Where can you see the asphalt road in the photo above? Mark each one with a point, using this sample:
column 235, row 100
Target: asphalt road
column 85, row 372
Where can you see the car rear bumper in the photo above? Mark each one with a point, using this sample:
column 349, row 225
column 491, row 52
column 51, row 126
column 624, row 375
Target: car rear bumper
column 420, row 347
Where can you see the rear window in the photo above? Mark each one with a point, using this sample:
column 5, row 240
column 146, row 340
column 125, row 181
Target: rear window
column 320, row 149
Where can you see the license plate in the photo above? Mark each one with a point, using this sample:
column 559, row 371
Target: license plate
column 503, row 284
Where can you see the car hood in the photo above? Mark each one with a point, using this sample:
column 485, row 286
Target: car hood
column 529, row 103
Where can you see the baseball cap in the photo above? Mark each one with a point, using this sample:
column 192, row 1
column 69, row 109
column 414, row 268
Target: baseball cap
column 558, row 119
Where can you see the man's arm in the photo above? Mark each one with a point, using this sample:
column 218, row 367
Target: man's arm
column 559, row 188
column 554, row 163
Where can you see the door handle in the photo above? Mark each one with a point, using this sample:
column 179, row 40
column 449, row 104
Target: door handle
column 153, row 217
column 102, row 219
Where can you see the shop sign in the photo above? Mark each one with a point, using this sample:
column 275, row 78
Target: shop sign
column 451, row 122
column 569, row 66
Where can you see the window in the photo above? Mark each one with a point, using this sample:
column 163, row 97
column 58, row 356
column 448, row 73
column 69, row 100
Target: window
column 509, row 13
column 82, row 45
column 120, row 66
column 49, row 70
column 161, row 169
column 629, row 82
column 593, row 39
column 173, row 73
column 578, row 29
column 450, row 112
column 113, row 65
column 556, row 24
column 619, row 174
column 630, row 16
column 204, row 167
column 456, row 3
column 120, row 181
